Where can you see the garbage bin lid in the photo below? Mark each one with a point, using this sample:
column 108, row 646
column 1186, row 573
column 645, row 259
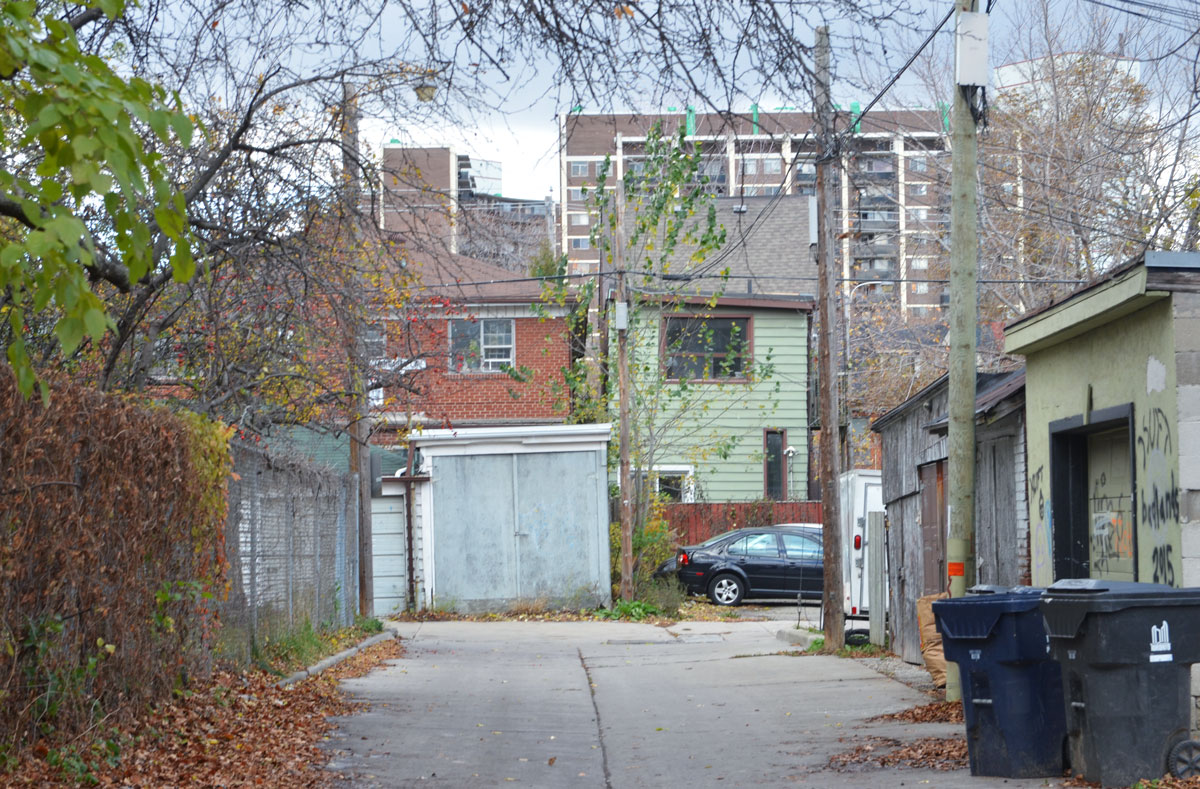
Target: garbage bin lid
column 974, row 616
column 1000, row 589
column 1096, row 595
column 1099, row 585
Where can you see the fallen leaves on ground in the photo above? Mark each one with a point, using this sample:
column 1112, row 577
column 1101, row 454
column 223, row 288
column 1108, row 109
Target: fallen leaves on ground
column 935, row 753
column 1166, row 782
column 700, row 610
column 937, row 712
column 235, row 730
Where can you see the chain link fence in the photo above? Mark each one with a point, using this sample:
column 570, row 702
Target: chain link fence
column 292, row 542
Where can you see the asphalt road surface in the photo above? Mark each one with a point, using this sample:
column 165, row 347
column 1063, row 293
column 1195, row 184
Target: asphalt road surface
column 606, row 704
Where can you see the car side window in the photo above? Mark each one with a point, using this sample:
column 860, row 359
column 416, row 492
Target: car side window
column 800, row 547
column 755, row 545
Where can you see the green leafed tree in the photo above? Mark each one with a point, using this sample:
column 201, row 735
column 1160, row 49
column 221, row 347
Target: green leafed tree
column 690, row 361
column 83, row 191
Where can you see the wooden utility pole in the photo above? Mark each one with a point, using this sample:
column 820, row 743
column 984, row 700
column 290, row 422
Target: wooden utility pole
column 835, row 615
column 621, row 321
column 964, row 261
column 359, row 428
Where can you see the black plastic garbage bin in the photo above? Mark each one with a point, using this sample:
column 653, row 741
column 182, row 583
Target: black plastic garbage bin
column 1012, row 690
column 1125, row 651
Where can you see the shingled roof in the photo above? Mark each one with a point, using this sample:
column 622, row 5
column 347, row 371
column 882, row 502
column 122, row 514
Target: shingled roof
column 463, row 279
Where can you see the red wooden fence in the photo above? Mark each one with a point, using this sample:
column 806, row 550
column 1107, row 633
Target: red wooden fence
column 695, row 523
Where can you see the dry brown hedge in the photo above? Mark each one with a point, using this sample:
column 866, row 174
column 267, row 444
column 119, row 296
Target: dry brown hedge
column 111, row 553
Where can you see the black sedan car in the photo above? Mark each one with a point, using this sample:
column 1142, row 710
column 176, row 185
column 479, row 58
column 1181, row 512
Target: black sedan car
column 770, row 561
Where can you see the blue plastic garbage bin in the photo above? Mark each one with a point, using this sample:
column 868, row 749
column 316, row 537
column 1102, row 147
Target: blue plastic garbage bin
column 1012, row 689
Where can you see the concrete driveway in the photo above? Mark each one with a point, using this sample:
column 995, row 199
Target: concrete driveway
column 599, row 704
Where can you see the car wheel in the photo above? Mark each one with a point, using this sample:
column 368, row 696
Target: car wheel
column 726, row 590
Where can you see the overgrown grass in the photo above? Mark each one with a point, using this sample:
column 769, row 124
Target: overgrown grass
column 817, row 647
column 634, row 610
column 665, row 594
column 304, row 645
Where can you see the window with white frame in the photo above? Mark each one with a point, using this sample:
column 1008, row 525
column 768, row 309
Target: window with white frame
column 581, row 169
column 749, row 166
column 581, row 243
column 918, row 214
column 772, row 166
column 483, row 345
column 669, row 483
column 575, row 194
column 881, row 264
column 918, row 164
column 919, row 264
column 580, row 220
column 917, row 189
column 919, row 288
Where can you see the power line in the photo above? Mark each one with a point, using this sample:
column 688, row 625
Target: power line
column 783, row 277
column 1163, row 10
column 767, row 210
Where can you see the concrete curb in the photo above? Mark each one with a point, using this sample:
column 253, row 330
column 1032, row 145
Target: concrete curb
column 801, row 638
column 390, row 631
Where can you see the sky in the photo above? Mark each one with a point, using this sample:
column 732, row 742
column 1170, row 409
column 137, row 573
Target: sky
column 524, row 138
column 525, row 143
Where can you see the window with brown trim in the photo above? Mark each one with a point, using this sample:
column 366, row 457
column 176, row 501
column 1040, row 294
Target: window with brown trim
column 700, row 348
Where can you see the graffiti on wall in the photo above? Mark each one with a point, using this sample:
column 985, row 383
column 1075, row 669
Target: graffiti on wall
column 1111, row 544
column 1040, row 528
column 1158, row 492
column 1110, row 538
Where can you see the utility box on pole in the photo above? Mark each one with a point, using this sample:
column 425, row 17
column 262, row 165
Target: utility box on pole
column 971, row 50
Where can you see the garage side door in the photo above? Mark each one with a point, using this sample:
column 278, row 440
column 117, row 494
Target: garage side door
column 390, row 564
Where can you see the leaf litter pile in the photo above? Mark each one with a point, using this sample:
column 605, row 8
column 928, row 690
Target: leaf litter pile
column 934, row 753
column 236, row 730
column 937, row 712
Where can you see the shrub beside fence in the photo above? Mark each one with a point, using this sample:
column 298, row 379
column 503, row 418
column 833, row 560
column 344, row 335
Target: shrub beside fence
column 111, row 555
column 292, row 541
column 693, row 523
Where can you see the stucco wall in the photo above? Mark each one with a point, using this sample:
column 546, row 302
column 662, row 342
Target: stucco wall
column 1128, row 360
column 1187, row 372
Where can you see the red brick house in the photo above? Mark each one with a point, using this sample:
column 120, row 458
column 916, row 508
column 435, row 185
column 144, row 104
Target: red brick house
column 487, row 351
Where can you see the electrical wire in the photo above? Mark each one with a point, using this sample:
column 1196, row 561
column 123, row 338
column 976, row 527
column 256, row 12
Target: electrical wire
column 1182, row 26
column 771, row 206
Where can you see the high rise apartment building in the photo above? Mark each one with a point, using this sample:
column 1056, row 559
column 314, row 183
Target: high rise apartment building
column 440, row 201
column 892, row 204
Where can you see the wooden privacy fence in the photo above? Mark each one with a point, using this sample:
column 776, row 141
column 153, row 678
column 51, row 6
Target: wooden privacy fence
column 693, row 523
